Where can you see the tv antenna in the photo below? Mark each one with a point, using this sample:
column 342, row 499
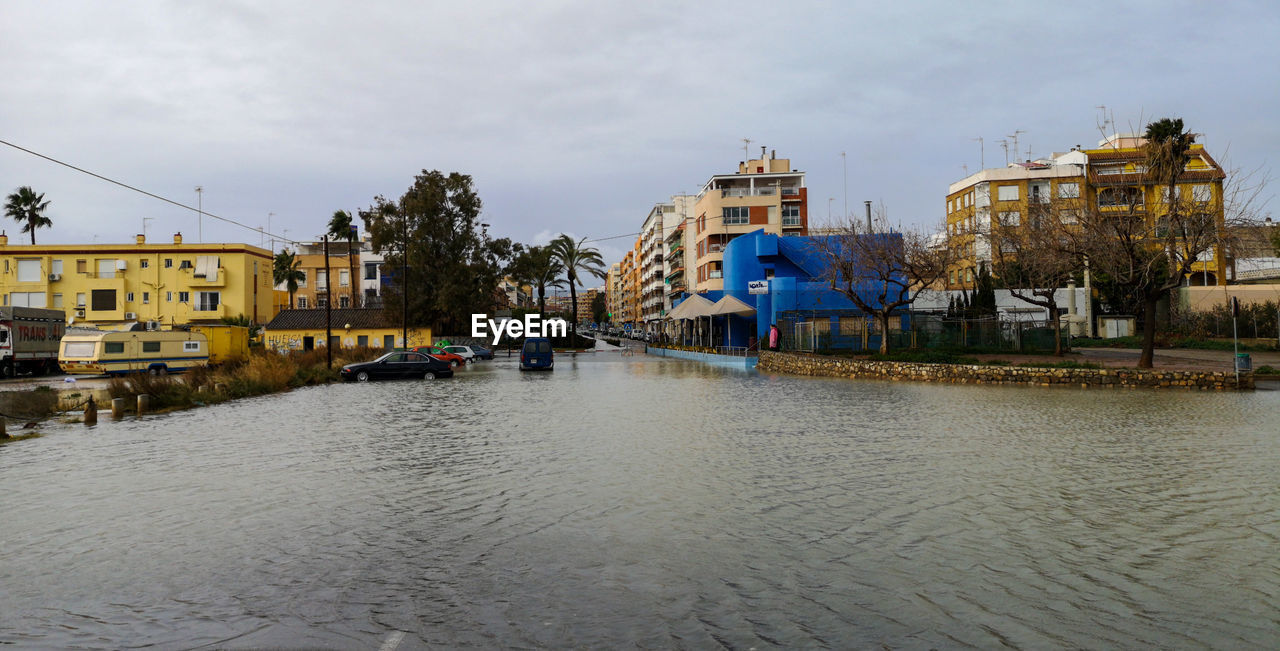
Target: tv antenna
column 1005, row 144
column 746, row 153
column 1014, row 136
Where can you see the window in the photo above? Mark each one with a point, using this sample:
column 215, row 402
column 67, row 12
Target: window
column 736, row 215
column 302, row 278
column 107, row 267
column 150, row 346
column 113, row 347
column 168, row 297
column 388, row 341
column 168, row 263
column 1007, row 192
column 82, row 267
column 57, row 300
column 1070, row 216
column 370, row 271
column 1202, row 193
column 190, row 346
column 1012, row 218
column 1068, row 190
column 184, row 297
column 344, row 277
column 80, row 299
column 953, row 276
column 104, row 300
column 55, row 267
column 362, row 340
column 78, row 349
column 207, row 301
column 302, row 302
column 322, row 278
column 185, row 264
column 128, row 297
column 29, row 271
column 968, row 275
column 144, row 263
column 322, row 301
column 791, row 215
column 28, row 299
column 146, row 297
column 206, row 267
column 1122, row 197
column 344, row 301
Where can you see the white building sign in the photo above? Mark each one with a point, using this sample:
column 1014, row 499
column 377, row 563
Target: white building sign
column 758, row 287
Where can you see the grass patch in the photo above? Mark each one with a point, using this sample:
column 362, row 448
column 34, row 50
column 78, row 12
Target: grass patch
column 923, row 357
column 1266, row 370
column 1064, row 364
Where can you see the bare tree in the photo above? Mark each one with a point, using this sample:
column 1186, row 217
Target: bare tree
column 879, row 269
column 1149, row 249
column 1030, row 259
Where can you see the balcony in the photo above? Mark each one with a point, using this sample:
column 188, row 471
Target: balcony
column 748, row 192
column 791, row 222
column 715, row 274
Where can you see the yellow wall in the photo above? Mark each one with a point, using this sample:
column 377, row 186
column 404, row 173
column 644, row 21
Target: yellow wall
column 293, row 339
column 243, row 280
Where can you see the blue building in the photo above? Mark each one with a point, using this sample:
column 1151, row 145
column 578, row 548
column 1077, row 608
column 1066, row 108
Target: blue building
column 792, row 271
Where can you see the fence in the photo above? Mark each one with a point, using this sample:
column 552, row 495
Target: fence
column 836, row 330
column 1256, row 321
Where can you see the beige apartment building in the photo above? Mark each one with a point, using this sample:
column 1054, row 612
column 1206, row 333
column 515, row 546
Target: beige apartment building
column 764, row 193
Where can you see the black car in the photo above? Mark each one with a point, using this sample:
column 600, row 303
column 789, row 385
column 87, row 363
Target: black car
column 396, row 366
column 481, row 352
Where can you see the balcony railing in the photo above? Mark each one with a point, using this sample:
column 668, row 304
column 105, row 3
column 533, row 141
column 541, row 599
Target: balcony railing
column 791, row 221
column 748, row 192
column 715, row 274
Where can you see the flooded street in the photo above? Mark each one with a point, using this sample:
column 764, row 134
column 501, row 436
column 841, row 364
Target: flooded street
column 622, row 501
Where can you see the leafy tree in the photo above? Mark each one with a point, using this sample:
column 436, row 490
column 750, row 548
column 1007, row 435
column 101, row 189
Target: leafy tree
column 1029, row 260
column 438, row 252
column 341, row 227
column 27, row 207
column 878, row 269
column 285, row 270
column 538, row 267
column 576, row 259
column 599, row 308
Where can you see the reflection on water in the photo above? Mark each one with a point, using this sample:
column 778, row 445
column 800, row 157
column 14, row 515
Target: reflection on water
column 659, row 503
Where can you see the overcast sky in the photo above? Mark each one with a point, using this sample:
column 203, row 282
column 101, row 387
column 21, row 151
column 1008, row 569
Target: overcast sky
column 580, row 116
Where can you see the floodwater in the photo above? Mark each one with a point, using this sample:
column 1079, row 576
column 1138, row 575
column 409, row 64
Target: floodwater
column 637, row 501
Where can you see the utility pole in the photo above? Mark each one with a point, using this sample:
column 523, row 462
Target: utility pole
column 328, row 307
column 200, row 213
column 844, row 161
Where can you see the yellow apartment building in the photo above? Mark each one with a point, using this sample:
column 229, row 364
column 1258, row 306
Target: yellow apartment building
column 1105, row 179
column 311, row 289
column 764, row 193
column 174, row 283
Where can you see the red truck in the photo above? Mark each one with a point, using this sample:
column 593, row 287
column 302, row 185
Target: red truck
column 29, row 338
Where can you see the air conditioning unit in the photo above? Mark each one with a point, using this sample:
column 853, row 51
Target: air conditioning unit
column 80, row 313
column 153, row 325
column 130, row 316
column 53, row 278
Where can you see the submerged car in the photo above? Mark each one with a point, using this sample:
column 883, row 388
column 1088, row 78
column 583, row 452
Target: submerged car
column 442, row 355
column 481, row 352
column 536, row 355
column 397, row 366
column 461, row 351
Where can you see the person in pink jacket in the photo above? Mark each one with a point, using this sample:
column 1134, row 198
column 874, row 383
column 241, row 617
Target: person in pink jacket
column 773, row 336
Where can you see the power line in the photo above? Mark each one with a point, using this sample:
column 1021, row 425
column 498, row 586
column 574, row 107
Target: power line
column 179, row 204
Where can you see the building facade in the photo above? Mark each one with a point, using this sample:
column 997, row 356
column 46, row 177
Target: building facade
column 764, row 194
column 172, row 283
column 1110, row 178
column 349, row 328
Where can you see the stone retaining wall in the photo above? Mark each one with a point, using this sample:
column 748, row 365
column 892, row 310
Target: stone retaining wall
column 802, row 364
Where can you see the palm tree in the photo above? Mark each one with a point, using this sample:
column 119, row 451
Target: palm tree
column 576, row 258
column 28, row 208
column 340, row 228
column 539, row 268
column 1167, row 153
column 286, row 270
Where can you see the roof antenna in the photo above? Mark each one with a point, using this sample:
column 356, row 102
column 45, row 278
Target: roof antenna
column 746, row 155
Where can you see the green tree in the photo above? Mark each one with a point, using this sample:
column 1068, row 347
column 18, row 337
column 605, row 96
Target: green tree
column 341, row 227
column 538, row 267
column 27, row 207
column 285, row 270
column 599, row 308
column 576, row 260
column 438, row 252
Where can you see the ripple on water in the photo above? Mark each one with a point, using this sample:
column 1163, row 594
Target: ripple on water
column 656, row 503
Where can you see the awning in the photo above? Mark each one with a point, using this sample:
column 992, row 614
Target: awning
column 731, row 305
column 691, row 308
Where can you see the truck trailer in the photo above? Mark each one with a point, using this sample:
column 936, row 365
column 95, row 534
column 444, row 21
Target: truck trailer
column 29, row 338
